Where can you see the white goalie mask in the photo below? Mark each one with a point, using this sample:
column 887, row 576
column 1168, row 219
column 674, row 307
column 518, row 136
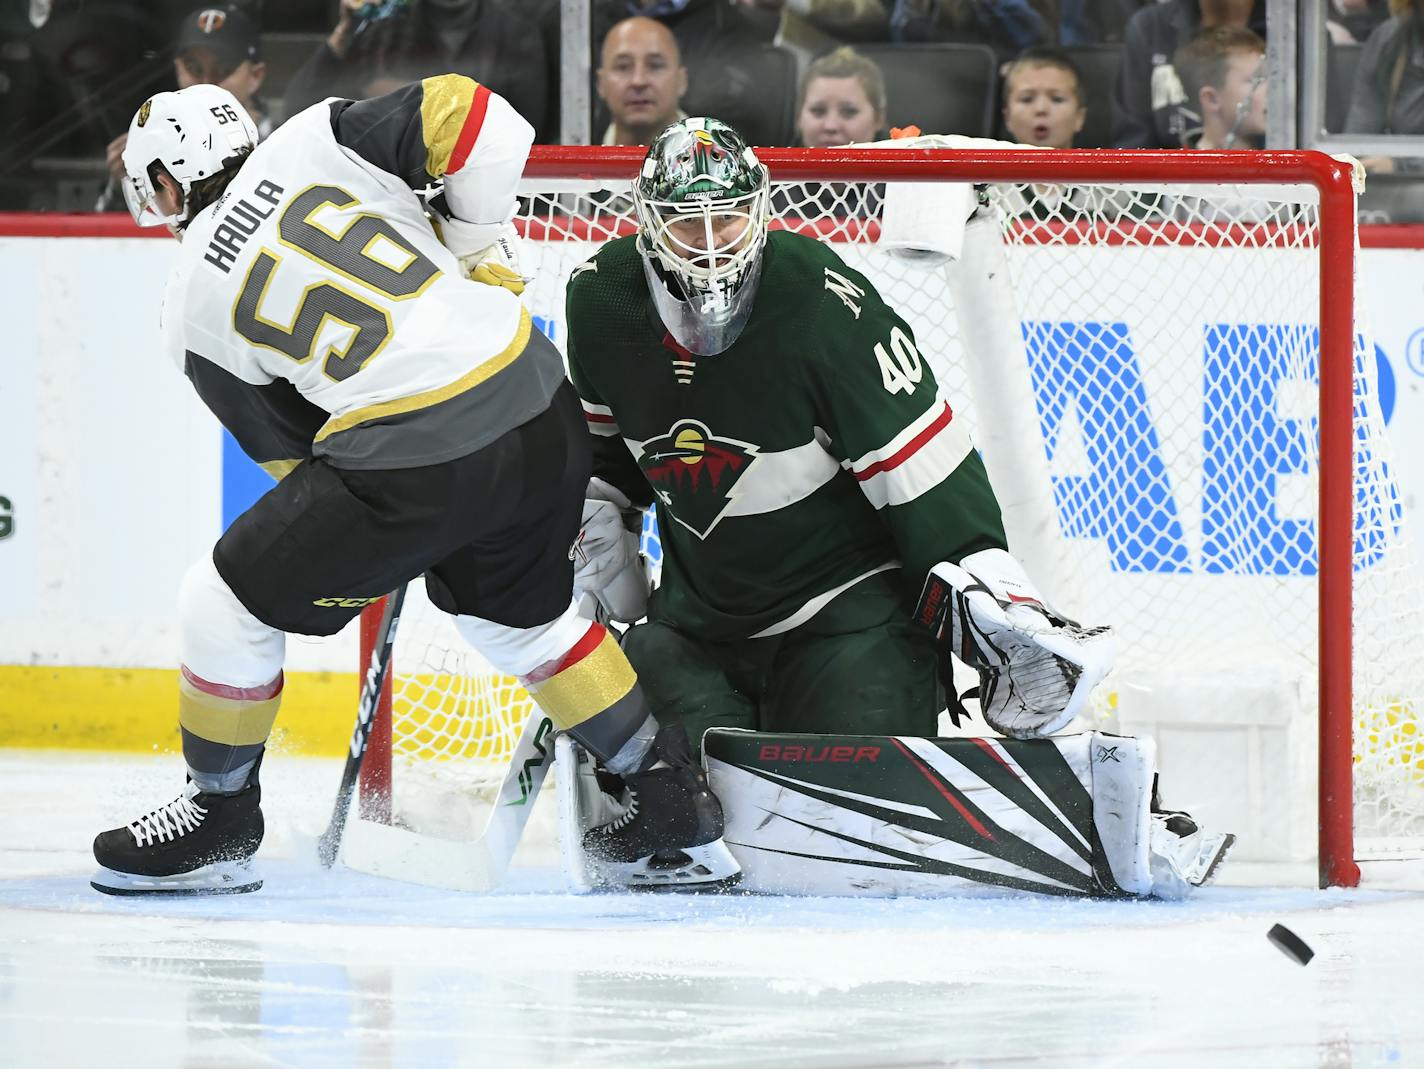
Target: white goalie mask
column 703, row 206
column 193, row 133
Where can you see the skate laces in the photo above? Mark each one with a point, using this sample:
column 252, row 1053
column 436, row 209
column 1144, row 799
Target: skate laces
column 170, row 821
column 628, row 815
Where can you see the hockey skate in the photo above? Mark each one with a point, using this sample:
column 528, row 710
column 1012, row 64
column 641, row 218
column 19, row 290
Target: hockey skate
column 197, row 844
column 1182, row 854
column 665, row 829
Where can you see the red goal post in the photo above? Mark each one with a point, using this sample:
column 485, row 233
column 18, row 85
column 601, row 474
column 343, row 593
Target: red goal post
column 1333, row 244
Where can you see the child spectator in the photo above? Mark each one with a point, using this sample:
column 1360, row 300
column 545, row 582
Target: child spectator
column 1043, row 99
column 842, row 100
column 1223, row 74
column 1149, row 106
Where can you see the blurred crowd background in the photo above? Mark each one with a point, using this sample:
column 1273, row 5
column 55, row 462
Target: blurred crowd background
column 1174, row 74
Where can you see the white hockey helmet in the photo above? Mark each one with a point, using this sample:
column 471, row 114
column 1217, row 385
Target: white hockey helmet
column 700, row 178
column 193, row 133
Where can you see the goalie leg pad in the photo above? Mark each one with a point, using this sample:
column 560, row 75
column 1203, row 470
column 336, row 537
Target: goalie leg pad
column 886, row 815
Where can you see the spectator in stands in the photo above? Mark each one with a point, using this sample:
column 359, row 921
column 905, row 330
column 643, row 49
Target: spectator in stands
column 842, row 100
column 1043, row 98
column 1389, row 84
column 1044, row 105
column 216, row 46
column 1150, row 110
column 641, row 78
column 706, row 30
column 1007, row 26
column 1094, row 22
column 863, row 20
column 376, row 46
column 1352, row 21
column 1223, row 74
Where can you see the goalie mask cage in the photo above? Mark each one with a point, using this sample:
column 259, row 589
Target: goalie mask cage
column 1164, row 364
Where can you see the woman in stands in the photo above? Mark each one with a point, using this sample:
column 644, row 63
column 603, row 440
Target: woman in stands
column 841, row 102
column 1389, row 85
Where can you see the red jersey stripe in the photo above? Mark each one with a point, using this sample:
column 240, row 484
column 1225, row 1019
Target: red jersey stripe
column 910, row 448
column 470, row 132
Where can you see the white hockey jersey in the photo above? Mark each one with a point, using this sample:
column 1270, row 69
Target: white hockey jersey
column 316, row 309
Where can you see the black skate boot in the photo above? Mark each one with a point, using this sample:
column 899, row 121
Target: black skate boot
column 669, row 833
column 197, row 844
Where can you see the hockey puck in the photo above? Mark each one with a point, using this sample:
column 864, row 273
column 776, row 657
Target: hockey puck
column 1290, row 944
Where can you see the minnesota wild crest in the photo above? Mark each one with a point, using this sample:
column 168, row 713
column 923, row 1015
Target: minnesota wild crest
column 694, row 473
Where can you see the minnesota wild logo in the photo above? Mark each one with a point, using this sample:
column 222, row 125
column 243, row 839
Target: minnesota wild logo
column 694, row 472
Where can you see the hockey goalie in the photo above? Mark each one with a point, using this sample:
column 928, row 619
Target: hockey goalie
column 831, row 545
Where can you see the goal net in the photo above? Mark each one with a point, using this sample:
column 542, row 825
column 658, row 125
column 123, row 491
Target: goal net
column 1145, row 346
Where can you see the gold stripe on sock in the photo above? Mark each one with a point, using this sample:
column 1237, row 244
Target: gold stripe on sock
column 586, row 688
column 228, row 721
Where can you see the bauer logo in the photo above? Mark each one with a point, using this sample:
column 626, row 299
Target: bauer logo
column 7, row 518
column 813, row 754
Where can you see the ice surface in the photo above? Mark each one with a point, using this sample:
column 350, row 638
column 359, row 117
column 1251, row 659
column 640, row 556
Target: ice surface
column 339, row 969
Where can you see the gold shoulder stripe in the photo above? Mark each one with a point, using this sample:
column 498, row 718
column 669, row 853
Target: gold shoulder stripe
column 468, row 381
column 444, row 106
column 279, row 469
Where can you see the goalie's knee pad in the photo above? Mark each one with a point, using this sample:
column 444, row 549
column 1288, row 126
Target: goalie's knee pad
column 219, row 639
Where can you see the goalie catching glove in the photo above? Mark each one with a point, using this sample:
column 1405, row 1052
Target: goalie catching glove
column 605, row 553
column 1036, row 668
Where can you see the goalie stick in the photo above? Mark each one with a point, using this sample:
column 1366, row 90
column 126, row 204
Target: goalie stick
column 329, row 845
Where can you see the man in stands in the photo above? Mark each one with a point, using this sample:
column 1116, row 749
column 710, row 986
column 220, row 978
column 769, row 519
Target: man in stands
column 216, row 46
column 641, row 78
column 460, row 453
column 810, row 480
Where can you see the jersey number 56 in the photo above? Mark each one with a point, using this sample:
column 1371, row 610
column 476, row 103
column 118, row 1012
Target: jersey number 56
column 345, row 254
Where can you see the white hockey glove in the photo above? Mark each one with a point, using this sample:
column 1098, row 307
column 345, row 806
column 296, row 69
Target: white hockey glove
column 1036, row 668
column 492, row 262
column 605, row 553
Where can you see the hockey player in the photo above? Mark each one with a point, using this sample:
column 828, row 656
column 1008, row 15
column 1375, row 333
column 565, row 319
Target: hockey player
column 811, row 482
column 385, row 369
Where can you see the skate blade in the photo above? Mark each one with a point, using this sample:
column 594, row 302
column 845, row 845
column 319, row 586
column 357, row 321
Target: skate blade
column 1216, row 857
column 220, row 878
column 710, row 867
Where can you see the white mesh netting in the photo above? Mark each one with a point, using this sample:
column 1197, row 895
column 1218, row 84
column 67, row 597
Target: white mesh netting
column 1140, row 367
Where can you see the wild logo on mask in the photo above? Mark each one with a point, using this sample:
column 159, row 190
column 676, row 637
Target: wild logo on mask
column 694, row 473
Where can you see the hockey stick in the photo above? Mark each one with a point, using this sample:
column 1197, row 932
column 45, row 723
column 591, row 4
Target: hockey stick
column 472, row 865
column 379, row 667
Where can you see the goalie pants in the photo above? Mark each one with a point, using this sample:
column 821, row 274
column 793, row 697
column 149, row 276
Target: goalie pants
column 834, row 674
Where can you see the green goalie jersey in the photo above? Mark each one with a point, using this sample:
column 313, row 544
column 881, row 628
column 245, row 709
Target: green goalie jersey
column 815, row 452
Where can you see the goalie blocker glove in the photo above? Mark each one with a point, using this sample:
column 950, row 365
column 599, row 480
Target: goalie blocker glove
column 1036, row 668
